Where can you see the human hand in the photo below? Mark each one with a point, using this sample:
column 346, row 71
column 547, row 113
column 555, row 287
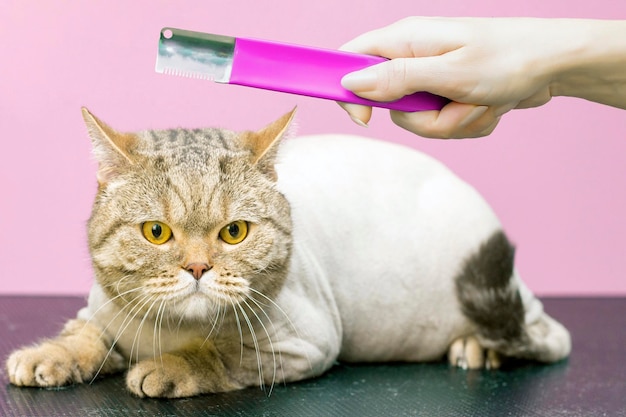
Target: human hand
column 485, row 66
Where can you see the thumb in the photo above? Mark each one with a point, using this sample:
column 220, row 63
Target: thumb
column 394, row 79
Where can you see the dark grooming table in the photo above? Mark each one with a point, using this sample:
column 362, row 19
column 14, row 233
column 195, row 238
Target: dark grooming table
column 591, row 383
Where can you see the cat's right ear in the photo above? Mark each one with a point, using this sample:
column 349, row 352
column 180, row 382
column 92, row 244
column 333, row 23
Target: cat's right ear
column 111, row 149
column 263, row 144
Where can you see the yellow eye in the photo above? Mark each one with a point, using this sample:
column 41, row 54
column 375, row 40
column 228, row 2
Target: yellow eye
column 156, row 232
column 235, row 232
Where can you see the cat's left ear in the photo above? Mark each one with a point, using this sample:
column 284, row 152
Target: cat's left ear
column 264, row 143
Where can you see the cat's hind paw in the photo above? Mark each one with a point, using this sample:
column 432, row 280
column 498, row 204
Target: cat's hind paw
column 467, row 353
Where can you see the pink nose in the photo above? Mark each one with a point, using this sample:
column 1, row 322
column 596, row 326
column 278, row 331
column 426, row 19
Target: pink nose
column 197, row 269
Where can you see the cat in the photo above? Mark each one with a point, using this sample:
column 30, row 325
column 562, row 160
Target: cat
column 226, row 260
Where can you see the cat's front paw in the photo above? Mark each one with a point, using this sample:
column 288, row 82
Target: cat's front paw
column 467, row 353
column 46, row 365
column 169, row 376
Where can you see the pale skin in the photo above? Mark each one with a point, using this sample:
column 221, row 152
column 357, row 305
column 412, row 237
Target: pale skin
column 487, row 67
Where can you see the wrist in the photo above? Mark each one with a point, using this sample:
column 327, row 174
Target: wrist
column 592, row 62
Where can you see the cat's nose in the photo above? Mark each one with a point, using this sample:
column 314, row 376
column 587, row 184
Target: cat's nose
column 197, row 269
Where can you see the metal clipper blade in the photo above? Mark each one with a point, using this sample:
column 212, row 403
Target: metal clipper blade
column 195, row 55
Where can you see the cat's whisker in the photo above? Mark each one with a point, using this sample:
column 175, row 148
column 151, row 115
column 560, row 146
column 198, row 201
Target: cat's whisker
column 137, row 338
column 111, row 321
column 256, row 346
column 225, row 310
column 181, row 319
column 280, row 356
column 280, row 310
column 129, row 305
column 93, row 315
column 158, row 325
column 215, row 325
column 168, row 319
column 120, row 282
column 155, row 331
column 130, row 317
column 118, row 334
column 269, row 339
column 239, row 329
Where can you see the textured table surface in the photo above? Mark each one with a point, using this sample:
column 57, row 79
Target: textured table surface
column 591, row 383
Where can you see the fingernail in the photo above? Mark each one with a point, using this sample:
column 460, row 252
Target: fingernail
column 358, row 121
column 474, row 115
column 359, row 80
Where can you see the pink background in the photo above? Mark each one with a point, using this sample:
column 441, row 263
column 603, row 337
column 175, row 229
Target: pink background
column 556, row 175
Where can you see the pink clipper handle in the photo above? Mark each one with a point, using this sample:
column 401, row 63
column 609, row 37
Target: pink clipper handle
column 312, row 72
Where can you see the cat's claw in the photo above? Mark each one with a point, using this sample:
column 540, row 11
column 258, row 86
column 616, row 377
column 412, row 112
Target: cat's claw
column 467, row 353
column 493, row 360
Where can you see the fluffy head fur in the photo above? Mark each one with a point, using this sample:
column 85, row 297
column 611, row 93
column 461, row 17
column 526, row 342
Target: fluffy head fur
column 196, row 182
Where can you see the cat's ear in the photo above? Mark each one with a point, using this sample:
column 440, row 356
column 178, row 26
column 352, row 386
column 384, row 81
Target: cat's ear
column 111, row 149
column 264, row 143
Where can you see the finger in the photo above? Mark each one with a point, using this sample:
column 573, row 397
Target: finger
column 360, row 115
column 445, row 124
column 380, row 42
column 399, row 77
column 366, row 43
column 454, row 121
column 490, row 128
column 540, row 98
column 409, row 37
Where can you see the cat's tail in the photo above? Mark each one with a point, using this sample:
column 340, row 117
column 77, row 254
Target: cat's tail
column 508, row 318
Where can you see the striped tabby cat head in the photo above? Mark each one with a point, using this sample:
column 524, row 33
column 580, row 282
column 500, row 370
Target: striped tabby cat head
column 188, row 220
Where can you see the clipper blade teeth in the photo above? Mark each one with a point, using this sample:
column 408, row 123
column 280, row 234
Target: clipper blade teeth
column 188, row 74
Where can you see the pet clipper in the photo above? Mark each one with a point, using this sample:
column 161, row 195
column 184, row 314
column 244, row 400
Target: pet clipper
column 275, row 66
